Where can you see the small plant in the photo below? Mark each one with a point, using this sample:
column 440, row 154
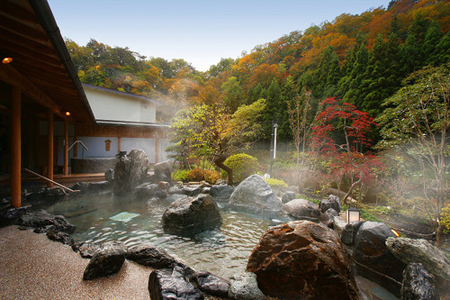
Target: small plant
column 445, row 217
column 180, row 175
column 211, row 176
column 276, row 183
column 243, row 165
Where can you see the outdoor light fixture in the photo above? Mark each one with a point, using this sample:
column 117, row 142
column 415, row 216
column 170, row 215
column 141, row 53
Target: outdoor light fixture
column 67, row 113
column 7, row 60
column 395, row 232
column 353, row 215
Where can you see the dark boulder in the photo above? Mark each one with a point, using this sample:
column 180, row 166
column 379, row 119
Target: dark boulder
column 373, row 258
column 192, row 190
column 106, row 261
column 151, row 257
column 303, row 260
column 349, row 232
column 149, row 190
column 42, row 221
column 130, row 171
column 288, row 196
column 327, row 218
column 171, row 284
column 254, row 194
column 211, row 284
column 163, row 171
column 11, row 215
column 99, row 187
column 221, row 193
column 420, row 251
column 418, row 284
column 174, row 197
column 189, row 216
column 86, row 250
column 331, row 202
column 302, row 209
column 61, row 237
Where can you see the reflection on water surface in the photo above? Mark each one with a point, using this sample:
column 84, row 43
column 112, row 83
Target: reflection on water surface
column 106, row 217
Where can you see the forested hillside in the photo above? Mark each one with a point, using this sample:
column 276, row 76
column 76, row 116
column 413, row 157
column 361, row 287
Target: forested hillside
column 361, row 59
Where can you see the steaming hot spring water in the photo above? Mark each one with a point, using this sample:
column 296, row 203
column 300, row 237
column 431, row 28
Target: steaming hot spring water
column 104, row 217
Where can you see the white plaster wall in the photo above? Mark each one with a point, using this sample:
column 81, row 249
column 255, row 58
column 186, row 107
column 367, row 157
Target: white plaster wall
column 96, row 146
column 119, row 107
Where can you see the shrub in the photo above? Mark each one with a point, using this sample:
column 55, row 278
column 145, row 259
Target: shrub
column 211, row 176
column 276, row 183
column 243, row 165
column 180, row 175
column 197, row 174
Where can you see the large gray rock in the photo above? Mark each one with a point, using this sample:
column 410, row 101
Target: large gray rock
column 288, row 196
column 163, row 171
column 106, row 261
column 420, row 251
column 148, row 191
column 302, row 209
column 331, row 202
column 189, row 216
column 303, row 260
column 221, row 193
column 245, row 287
column 418, row 284
column 168, row 284
column 130, row 171
column 255, row 194
column 373, row 257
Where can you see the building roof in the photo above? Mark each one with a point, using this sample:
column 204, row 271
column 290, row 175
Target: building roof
column 42, row 66
column 122, row 93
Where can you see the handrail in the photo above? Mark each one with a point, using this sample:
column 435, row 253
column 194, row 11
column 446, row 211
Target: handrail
column 78, row 141
column 48, row 179
column 74, row 143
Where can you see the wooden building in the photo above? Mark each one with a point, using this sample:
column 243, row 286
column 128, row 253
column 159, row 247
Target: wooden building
column 124, row 122
column 43, row 106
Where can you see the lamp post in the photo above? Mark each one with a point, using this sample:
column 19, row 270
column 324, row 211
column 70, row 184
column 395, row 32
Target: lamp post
column 273, row 145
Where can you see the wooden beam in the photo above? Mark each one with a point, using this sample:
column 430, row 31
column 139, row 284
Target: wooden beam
column 11, row 76
column 11, row 47
column 16, row 148
column 34, row 32
column 50, row 148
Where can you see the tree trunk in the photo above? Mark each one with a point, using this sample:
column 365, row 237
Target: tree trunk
column 439, row 234
column 219, row 162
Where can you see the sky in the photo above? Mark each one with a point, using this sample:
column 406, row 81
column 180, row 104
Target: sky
column 199, row 31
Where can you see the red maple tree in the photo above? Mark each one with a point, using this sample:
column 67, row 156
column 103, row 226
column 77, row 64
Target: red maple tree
column 341, row 136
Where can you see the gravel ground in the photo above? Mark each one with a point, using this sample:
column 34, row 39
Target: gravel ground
column 33, row 267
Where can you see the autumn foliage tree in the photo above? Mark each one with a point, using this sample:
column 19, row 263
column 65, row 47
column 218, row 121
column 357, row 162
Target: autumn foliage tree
column 341, row 135
column 209, row 131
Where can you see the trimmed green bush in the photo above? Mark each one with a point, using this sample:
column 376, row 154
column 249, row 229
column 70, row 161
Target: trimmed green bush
column 243, row 165
column 276, row 183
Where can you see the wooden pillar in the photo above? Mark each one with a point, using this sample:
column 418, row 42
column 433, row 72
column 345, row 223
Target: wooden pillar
column 118, row 144
column 16, row 151
column 66, row 146
column 50, row 148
